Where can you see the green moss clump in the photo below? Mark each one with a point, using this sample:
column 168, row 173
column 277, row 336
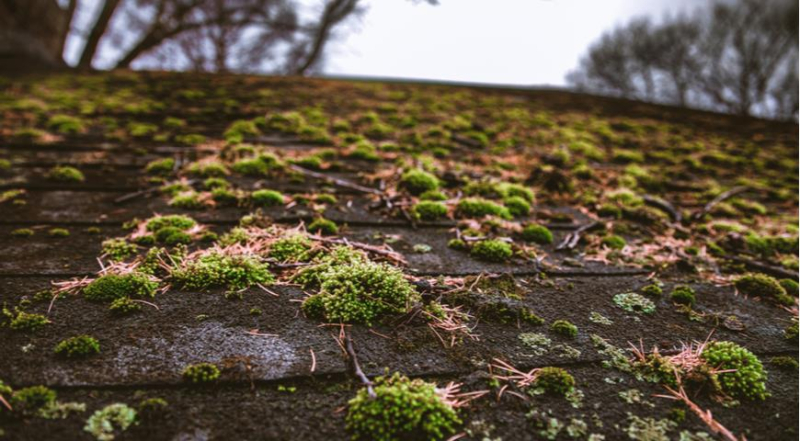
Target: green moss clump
column 790, row 286
column 190, row 139
column 683, row 295
column 748, row 377
column 237, row 272
column 312, row 275
column 633, row 302
column 104, row 423
column 189, row 200
column 174, row 220
column 65, row 124
column 653, row 290
column 457, row 244
column 363, row 291
column 791, row 331
column 402, row 409
column 762, row 285
column 215, row 183
column 30, row 399
column 517, row 206
column 78, row 347
column 224, row 196
column 162, row 167
column 477, row 207
column 313, row 307
column 201, row 373
column 554, row 381
column 65, row 173
column 58, row 232
column 325, row 198
column 110, row 287
column 323, row 226
column 537, row 234
column 785, row 362
column 118, row 249
column 251, row 167
column 492, row 250
column 292, row 248
column 614, row 242
column 28, row 322
column 508, row 190
column 429, row 210
column 418, row 181
column 433, row 195
column 22, row 232
column 238, row 130
column 266, row 198
column 311, row 162
column 124, row 306
column 564, row 328
column 172, row 236
column 208, row 169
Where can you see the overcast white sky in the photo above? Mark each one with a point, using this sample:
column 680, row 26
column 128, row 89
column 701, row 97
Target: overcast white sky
column 518, row 42
column 522, row 42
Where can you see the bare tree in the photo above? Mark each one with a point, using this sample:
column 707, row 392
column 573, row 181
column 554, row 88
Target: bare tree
column 734, row 57
column 203, row 35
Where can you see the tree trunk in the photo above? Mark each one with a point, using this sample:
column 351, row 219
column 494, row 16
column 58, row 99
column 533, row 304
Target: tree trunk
column 99, row 28
column 32, row 33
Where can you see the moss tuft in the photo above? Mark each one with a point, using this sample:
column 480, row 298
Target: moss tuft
column 747, row 378
column 492, row 250
column 683, row 295
column 110, row 287
column 65, row 173
column 58, row 232
column 401, row 409
column 363, row 291
column 517, row 206
column 323, row 226
column 564, row 328
column 477, row 207
column 653, row 290
column 162, row 167
column 109, row 420
column 174, row 220
column 762, row 285
column 22, row 232
column 418, row 182
column 312, row 275
column 201, row 373
column 292, row 248
column 266, row 198
column 537, row 234
column 430, row 210
column 78, row 347
column 28, row 322
column 124, row 306
column 30, row 399
column 790, row 286
column 554, row 381
column 614, row 242
column 214, row 269
column 118, row 249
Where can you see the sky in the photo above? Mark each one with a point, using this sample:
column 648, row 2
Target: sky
column 516, row 42
column 512, row 42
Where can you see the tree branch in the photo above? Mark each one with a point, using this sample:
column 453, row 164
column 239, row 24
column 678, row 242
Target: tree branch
column 99, row 28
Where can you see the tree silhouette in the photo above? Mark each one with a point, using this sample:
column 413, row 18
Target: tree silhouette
column 736, row 57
